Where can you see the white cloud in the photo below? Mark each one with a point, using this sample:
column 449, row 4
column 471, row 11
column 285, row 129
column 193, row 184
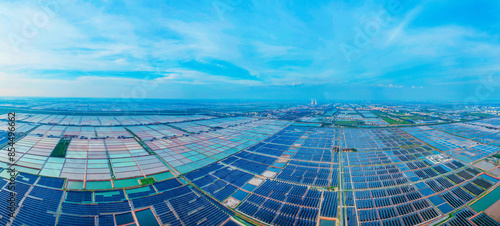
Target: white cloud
column 278, row 43
column 268, row 50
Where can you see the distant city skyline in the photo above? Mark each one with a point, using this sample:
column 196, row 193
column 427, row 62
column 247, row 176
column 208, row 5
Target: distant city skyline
column 300, row 50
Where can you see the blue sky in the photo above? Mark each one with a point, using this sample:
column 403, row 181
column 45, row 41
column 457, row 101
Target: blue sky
column 350, row 50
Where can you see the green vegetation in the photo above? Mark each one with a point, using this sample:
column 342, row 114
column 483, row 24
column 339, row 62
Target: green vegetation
column 496, row 156
column 388, row 119
column 414, row 117
column 349, row 150
column 399, row 113
column 392, row 121
column 147, row 181
column 61, row 148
